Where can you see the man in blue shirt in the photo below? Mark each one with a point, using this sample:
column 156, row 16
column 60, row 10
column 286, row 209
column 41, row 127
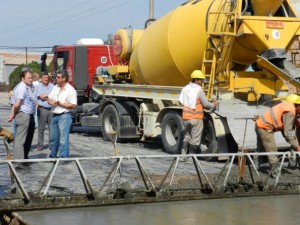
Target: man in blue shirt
column 23, row 110
column 44, row 109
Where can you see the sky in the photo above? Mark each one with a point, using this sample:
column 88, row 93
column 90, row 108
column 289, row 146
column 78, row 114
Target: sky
column 39, row 23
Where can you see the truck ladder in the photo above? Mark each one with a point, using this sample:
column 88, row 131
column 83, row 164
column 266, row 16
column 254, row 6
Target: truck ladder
column 220, row 37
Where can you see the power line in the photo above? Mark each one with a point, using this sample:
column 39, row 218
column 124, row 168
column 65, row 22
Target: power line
column 13, row 56
column 43, row 18
column 54, row 25
column 18, row 47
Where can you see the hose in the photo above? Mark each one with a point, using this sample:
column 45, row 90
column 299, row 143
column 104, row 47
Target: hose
column 246, row 7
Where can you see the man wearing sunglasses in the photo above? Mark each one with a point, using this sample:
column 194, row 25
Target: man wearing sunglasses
column 62, row 98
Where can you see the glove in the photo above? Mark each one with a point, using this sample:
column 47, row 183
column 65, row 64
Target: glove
column 7, row 134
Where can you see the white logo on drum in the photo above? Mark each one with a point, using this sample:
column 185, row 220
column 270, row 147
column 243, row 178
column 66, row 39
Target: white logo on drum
column 276, row 34
column 103, row 59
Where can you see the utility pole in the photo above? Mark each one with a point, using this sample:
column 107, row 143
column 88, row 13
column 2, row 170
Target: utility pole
column 151, row 9
column 26, row 50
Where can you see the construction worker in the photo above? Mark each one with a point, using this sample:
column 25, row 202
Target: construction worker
column 7, row 134
column 193, row 100
column 281, row 117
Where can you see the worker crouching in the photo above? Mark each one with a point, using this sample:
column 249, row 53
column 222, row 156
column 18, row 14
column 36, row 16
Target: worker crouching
column 280, row 117
column 193, row 100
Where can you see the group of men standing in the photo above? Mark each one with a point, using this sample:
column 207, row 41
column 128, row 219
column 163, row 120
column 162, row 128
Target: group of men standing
column 53, row 104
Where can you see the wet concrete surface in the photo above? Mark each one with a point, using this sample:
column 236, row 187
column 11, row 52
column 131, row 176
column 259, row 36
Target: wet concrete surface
column 269, row 210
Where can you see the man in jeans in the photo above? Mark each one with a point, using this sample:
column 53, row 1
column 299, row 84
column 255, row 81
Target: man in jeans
column 62, row 98
column 44, row 109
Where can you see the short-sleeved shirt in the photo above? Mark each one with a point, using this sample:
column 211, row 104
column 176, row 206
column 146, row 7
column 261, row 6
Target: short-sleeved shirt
column 67, row 95
column 27, row 94
column 43, row 89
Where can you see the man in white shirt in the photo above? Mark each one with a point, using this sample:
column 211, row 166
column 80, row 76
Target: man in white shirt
column 193, row 100
column 62, row 98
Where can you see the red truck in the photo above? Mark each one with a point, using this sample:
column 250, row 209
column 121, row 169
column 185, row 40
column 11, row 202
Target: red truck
column 83, row 61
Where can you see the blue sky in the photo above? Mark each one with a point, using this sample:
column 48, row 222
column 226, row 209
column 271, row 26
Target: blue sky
column 62, row 22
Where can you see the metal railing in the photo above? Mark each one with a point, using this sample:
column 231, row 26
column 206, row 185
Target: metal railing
column 59, row 183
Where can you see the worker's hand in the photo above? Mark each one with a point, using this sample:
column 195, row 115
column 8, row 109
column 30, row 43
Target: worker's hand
column 256, row 117
column 7, row 134
column 216, row 103
column 52, row 102
column 10, row 117
column 297, row 149
column 43, row 96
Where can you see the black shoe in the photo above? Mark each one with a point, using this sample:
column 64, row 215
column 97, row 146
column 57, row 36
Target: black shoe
column 65, row 162
column 23, row 167
column 194, row 149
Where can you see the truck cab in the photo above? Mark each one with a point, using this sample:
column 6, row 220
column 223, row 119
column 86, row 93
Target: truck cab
column 81, row 62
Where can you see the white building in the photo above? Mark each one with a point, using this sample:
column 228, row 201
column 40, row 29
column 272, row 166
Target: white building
column 10, row 60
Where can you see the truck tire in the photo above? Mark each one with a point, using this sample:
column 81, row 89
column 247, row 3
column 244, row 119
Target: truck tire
column 172, row 132
column 110, row 122
column 209, row 142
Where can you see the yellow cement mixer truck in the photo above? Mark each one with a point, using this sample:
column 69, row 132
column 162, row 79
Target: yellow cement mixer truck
column 241, row 47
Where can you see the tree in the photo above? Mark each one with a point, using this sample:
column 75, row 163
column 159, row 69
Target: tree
column 14, row 76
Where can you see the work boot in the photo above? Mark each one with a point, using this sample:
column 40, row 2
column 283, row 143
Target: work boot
column 257, row 160
column 193, row 149
column 274, row 170
column 184, row 151
column 185, row 148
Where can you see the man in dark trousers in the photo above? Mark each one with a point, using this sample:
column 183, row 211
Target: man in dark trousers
column 23, row 111
column 44, row 109
column 194, row 101
column 281, row 117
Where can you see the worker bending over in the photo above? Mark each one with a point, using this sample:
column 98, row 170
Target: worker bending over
column 193, row 100
column 280, row 117
column 7, row 134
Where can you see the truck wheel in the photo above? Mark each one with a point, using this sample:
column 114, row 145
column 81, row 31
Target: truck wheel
column 110, row 122
column 209, row 143
column 172, row 132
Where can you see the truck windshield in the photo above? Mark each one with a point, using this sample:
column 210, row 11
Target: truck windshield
column 60, row 60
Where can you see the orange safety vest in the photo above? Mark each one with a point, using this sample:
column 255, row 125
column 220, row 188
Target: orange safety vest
column 272, row 119
column 197, row 113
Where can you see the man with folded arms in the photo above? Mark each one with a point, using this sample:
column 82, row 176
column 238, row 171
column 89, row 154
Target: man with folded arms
column 62, row 98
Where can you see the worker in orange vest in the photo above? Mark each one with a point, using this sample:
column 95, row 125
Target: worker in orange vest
column 281, row 117
column 193, row 100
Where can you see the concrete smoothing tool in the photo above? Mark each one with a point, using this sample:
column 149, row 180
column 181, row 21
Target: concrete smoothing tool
column 8, row 158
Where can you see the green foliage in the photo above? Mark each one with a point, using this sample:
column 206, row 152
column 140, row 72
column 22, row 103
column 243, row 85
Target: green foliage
column 14, row 76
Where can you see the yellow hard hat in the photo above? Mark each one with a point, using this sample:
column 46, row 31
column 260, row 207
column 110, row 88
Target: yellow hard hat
column 197, row 74
column 293, row 98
